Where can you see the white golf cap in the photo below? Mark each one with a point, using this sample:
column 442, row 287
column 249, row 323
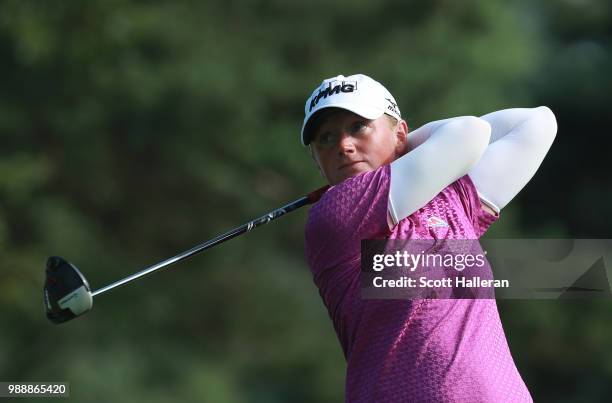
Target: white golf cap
column 358, row 93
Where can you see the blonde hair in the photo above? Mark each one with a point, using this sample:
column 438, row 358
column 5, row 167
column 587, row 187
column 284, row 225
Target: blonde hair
column 391, row 120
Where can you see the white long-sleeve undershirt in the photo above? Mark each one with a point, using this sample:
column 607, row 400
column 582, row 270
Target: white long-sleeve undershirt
column 520, row 139
column 501, row 151
column 441, row 152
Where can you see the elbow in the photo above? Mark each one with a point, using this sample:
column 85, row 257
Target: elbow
column 476, row 133
column 547, row 124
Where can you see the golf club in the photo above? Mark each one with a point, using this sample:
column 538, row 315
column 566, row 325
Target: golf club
column 67, row 293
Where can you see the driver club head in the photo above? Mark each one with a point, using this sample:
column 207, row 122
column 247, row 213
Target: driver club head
column 66, row 292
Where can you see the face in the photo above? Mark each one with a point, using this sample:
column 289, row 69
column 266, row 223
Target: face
column 346, row 144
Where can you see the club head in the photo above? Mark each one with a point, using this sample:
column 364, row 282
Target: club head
column 66, row 292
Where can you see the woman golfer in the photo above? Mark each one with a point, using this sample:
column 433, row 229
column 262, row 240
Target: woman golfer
column 449, row 178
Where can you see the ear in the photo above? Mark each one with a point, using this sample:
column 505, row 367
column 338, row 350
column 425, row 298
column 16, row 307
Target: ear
column 401, row 135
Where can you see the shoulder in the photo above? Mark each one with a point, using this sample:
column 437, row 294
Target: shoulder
column 356, row 206
column 341, row 199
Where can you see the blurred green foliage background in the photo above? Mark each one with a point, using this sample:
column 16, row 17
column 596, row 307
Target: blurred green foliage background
column 132, row 130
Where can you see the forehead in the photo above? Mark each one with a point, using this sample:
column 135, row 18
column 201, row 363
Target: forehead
column 328, row 117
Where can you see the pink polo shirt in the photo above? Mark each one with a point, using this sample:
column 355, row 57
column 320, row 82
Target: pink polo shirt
column 421, row 350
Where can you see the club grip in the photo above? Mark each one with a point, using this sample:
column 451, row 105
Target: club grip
column 314, row 196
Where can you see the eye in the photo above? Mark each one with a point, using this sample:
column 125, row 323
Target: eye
column 358, row 127
column 324, row 139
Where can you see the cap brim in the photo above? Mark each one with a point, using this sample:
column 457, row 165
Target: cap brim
column 368, row 112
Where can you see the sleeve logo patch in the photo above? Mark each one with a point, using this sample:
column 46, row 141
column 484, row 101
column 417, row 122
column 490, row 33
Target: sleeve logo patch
column 434, row 222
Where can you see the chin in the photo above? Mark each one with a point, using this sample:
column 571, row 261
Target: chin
column 349, row 173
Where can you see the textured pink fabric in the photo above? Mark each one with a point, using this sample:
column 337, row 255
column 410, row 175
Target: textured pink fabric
column 426, row 350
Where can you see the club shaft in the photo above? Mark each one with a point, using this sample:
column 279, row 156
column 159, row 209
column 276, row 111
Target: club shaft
column 308, row 199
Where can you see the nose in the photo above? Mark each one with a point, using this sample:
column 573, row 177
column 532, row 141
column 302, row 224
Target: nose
column 346, row 144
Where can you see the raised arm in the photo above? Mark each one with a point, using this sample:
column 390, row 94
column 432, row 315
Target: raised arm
column 520, row 139
column 440, row 153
